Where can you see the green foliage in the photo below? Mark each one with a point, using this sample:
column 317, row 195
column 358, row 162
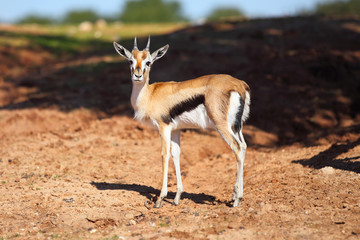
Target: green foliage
column 36, row 19
column 338, row 7
column 141, row 11
column 78, row 16
column 135, row 11
column 221, row 13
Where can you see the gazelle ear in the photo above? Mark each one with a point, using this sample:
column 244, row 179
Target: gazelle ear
column 122, row 51
column 159, row 53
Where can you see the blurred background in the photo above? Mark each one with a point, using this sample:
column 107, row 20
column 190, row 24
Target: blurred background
column 300, row 58
column 135, row 11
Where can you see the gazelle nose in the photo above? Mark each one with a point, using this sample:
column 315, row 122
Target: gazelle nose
column 138, row 76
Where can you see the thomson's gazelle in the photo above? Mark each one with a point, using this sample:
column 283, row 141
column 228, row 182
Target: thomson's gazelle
column 214, row 101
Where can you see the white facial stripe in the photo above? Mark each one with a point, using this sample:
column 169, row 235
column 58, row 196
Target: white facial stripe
column 136, row 75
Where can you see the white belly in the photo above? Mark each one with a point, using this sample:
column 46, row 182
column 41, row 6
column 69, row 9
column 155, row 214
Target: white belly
column 196, row 118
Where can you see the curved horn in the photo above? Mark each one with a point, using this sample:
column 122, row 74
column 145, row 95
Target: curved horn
column 135, row 43
column 148, row 44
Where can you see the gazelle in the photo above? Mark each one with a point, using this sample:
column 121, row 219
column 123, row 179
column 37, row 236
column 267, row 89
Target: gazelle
column 215, row 101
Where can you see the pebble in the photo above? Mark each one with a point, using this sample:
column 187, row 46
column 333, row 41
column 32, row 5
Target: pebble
column 132, row 222
column 250, row 210
column 185, row 210
column 328, row 170
column 68, row 200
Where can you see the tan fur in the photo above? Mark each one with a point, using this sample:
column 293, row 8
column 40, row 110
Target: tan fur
column 216, row 89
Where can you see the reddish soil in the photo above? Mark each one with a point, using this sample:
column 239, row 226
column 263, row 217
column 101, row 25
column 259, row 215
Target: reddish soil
column 75, row 165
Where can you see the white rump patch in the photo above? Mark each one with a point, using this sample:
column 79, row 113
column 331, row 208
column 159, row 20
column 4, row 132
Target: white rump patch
column 246, row 112
column 233, row 109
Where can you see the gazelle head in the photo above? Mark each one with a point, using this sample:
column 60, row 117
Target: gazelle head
column 140, row 61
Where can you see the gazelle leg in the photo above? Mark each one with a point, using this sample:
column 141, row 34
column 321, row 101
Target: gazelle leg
column 175, row 152
column 238, row 189
column 165, row 134
column 239, row 150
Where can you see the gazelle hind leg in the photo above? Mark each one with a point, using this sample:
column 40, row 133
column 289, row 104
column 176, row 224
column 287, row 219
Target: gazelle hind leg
column 175, row 152
column 239, row 185
column 236, row 146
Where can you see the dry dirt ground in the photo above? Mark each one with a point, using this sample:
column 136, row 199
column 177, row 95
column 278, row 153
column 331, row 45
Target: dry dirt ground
column 75, row 165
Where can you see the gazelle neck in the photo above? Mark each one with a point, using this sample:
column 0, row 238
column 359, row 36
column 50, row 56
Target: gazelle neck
column 139, row 92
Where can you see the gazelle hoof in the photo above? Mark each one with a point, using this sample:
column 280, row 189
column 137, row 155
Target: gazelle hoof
column 236, row 202
column 147, row 204
column 158, row 204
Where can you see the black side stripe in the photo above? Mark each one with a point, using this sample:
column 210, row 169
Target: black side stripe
column 184, row 106
column 238, row 119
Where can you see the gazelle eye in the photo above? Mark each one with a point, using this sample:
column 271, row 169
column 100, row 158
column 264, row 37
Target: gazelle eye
column 148, row 63
column 131, row 62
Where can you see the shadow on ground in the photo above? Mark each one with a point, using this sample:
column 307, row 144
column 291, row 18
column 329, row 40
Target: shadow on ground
column 328, row 158
column 151, row 193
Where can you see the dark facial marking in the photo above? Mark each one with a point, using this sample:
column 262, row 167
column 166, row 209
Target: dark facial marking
column 184, row 106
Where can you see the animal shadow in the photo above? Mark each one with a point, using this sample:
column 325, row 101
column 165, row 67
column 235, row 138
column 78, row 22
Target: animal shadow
column 328, row 158
column 151, row 193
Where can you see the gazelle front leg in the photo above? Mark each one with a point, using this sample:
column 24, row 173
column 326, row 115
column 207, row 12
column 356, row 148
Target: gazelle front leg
column 165, row 135
column 175, row 152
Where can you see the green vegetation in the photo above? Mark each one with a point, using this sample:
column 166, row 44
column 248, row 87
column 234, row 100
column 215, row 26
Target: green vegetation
column 78, row 16
column 223, row 13
column 115, row 237
column 139, row 11
column 151, row 11
column 336, row 7
column 69, row 40
column 36, row 19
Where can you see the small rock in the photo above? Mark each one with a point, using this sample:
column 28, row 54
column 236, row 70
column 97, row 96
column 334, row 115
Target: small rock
column 132, row 222
column 68, row 200
column 92, row 230
column 233, row 225
column 147, row 204
column 250, row 210
column 185, row 210
column 328, row 170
